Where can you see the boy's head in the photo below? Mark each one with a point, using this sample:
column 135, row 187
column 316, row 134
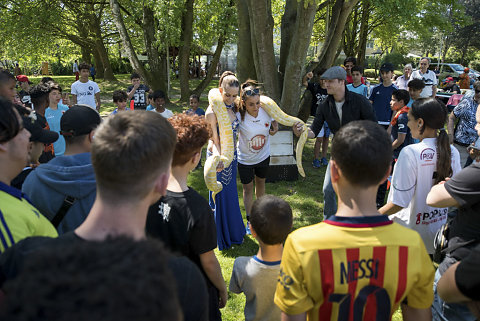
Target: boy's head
column 39, row 94
column 84, row 69
column 399, row 99
column 132, row 155
column 135, row 78
column 158, row 98
column 349, row 62
column 194, row 101
column 38, row 137
column 357, row 73
column 192, row 134
column 55, row 94
column 271, row 219
column 7, row 85
column 78, row 123
column 24, row 82
column 120, row 98
column 415, row 87
column 362, row 151
column 386, row 70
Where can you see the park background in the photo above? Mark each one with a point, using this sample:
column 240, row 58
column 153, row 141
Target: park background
column 273, row 41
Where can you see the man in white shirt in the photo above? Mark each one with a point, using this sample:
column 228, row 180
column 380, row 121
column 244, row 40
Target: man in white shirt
column 428, row 77
column 85, row 91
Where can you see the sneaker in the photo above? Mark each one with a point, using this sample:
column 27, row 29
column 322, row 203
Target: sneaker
column 316, row 163
column 324, row 161
column 247, row 229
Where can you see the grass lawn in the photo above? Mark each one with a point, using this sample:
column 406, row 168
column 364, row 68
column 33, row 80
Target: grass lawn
column 304, row 196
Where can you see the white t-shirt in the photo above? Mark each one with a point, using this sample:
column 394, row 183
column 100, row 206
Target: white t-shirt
column 167, row 113
column 253, row 144
column 338, row 106
column 85, row 92
column 430, row 80
column 412, row 180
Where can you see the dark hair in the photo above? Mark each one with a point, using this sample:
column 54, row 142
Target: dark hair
column 84, row 65
column 401, row 94
column 195, row 96
column 357, row 146
column 249, row 84
column 6, row 76
column 416, row 84
column 357, row 68
column 117, row 279
column 271, row 218
column 135, row 75
column 46, row 80
column 39, row 94
column 350, row 59
column 119, row 95
column 158, row 94
column 434, row 114
column 476, row 85
column 9, row 123
column 150, row 96
column 54, row 86
column 230, row 80
column 193, row 132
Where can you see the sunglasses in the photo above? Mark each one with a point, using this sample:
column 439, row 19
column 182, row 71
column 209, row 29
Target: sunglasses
column 252, row 92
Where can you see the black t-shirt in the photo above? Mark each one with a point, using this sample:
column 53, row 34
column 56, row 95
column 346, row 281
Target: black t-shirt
column 191, row 287
column 319, row 94
column 25, row 98
column 17, row 182
column 184, row 222
column 140, row 96
column 467, row 276
column 464, row 187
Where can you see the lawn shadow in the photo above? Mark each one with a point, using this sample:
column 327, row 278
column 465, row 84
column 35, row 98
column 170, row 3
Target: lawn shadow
column 248, row 248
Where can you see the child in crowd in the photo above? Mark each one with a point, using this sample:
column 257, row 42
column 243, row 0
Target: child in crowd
column 53, row 114
column 38, row 138
column 357, row 86
column 138, row 92
column 158, row 99
column 356, row 264
column 25, row 85
column 85, row 91
column 7, row 85
column 150, row 102
column 382, row 95
column 182, row 219
column 415, row 88
column 194, row 109
column 120, row 98
column 255, row 276
column 398, row 126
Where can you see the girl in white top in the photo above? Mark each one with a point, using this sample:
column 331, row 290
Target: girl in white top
column 419, row 167
column 253, row 146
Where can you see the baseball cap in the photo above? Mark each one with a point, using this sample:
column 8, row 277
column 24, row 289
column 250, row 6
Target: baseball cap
column 79, row 120
column 335, row 72
column 449, row 79
column 23, row 78
column 37, row 133
column 466, row 69
column 387, row 67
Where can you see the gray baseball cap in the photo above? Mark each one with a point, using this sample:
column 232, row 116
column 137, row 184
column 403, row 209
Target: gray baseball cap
column 335, row 72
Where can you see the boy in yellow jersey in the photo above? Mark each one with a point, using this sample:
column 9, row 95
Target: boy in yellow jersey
column 356, row 265
column 18, row 217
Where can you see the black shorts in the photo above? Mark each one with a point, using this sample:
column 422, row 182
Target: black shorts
column 247, row 172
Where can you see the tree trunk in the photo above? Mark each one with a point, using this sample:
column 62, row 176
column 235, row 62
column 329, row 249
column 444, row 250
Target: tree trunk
column 261, row 24
column 287, row 34
column 245, row 59
column 294, row 69
column 86, row 54
column 212, row 67
column 186, row 38
column 98, row 64
column 363, row 34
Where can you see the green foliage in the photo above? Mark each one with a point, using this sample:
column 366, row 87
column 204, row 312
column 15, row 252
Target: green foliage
column 475, row 64
column 394, row 58
column 121, row 66
column 59, row 69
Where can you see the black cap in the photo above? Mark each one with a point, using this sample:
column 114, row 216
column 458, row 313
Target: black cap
column 79, row 120
column 387, row 67
column 37, row 133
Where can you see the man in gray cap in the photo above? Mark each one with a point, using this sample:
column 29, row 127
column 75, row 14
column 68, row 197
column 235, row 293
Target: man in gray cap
column 340, row 108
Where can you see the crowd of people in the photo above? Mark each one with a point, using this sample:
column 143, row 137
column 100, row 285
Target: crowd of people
column 97, row 219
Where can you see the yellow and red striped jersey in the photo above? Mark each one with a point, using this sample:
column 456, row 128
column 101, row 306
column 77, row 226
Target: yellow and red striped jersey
column 354, row 268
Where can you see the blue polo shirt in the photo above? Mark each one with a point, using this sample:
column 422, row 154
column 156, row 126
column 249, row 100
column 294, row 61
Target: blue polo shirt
column 361, row 89
column 381, row 97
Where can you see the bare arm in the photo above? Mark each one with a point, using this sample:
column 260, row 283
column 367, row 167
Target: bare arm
column 132, row 92
column 439, row 197
column 412, row 314
column 399, row 141
column 434, row 91
column 451, row 126
column 306, row 78
column 447, row 286
column 74, row 99
column 274, row 128
column 212, row 120
column 389, row 209
column 213, row 271
column 97, row 98
column 298, row 129
column 296, row 317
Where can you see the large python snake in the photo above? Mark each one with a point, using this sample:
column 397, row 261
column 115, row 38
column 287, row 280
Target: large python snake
column 226, row 137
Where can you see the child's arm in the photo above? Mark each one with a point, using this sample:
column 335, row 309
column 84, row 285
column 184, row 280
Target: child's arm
column 212, row 269
column 412, row 314
column 74, row 99
column 399, row 141
column 306, row 78
column 132, row 92
column 99, row 103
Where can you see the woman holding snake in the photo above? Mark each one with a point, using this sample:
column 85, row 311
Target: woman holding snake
column 253, row 147
column 230, row 227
